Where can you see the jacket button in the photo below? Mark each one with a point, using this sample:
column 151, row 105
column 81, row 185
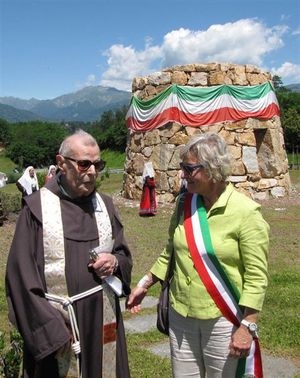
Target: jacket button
column 188, row 280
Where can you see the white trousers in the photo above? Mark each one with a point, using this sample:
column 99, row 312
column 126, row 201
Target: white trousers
column 200, row 348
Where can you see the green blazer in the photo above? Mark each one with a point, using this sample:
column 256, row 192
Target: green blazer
column 240, row 238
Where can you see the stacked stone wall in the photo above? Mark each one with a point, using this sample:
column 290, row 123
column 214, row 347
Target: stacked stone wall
column 259, row 160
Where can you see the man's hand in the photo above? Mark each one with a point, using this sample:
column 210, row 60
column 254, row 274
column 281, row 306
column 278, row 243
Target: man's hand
column 104, row 265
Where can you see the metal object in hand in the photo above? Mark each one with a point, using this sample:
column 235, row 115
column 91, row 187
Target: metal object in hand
column 93, row 255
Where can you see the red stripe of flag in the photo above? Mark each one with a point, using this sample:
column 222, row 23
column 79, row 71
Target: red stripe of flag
column 204, row 275
column 173, row 114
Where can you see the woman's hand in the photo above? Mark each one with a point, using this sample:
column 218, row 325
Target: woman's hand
column 241, row 341
column 134, row 301
column 104, row 265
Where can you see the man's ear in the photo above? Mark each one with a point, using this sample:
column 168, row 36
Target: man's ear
column 60, row 162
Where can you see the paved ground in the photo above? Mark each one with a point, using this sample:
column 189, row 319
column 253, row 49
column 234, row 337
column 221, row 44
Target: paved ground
column 273, row 367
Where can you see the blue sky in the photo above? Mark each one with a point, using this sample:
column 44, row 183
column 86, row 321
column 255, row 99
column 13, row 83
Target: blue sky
column 53, row 47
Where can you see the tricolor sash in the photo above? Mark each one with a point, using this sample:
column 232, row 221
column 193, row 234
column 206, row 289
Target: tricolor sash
column 214, row 278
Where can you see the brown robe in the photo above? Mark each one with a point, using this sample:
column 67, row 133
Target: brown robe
column 41, row 325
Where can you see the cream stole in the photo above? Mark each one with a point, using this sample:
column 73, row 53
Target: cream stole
column 54, row 252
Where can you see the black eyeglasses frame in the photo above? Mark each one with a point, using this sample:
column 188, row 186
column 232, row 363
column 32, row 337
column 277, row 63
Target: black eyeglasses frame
column 84, row 165
column 190, row 168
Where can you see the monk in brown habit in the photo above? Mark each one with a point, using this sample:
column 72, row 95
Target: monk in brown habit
column 67, row 267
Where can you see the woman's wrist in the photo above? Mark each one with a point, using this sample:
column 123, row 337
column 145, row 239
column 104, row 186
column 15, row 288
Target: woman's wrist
column 145, row 282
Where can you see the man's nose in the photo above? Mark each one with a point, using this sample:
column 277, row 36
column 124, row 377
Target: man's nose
column 92, row 169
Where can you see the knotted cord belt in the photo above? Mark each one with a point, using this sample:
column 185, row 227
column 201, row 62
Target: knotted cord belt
column 67, row 304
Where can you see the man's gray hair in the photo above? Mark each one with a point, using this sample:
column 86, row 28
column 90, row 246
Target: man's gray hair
column 210, row 150
column 87, row 139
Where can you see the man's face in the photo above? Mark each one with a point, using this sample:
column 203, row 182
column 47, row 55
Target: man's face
column 76, row 182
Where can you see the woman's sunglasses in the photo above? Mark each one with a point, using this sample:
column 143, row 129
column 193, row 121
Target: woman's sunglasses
column 190, row 168
column 84, row 165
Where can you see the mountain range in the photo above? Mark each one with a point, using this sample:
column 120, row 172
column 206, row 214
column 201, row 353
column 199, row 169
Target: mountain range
column 85, row 105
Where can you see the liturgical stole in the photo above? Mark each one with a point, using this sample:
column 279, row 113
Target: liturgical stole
column 54, row 252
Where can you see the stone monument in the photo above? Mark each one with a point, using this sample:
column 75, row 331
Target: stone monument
column 255, row 138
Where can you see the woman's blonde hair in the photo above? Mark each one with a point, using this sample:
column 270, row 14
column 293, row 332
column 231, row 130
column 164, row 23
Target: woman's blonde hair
column 210, row 150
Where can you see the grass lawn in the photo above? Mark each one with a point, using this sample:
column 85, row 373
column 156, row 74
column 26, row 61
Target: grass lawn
column 280, row 319
column 6, row 165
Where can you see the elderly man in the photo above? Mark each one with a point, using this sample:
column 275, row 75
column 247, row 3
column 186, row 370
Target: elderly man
column 60, row 294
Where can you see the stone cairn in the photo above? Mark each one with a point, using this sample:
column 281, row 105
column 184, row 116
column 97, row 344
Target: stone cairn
column 259, row 160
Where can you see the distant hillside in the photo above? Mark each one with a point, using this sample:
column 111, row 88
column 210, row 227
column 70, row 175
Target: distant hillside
column 293, row 87
column 11, row 114
column 85, row 105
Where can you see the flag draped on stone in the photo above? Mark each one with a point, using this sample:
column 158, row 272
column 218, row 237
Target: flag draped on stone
column 199, row 106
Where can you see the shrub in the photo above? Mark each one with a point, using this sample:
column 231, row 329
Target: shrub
column 10, row 354
column 11, row 202
column 13, row 177
column 41, row 178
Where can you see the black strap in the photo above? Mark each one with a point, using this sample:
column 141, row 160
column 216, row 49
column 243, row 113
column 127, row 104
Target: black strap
column 171, row 264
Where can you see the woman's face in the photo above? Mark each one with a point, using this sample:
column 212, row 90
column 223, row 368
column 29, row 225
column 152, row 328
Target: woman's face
column 197, row 178
column 31, row 172
column 52, row 171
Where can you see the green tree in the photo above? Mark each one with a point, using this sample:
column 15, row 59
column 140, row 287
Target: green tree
column 4, row 132
column 111, row 131
column 277, row 82
column 35, row 143
column 291, row 125
column 289, row 103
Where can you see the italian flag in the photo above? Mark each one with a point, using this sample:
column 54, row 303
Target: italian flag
column 199, row 106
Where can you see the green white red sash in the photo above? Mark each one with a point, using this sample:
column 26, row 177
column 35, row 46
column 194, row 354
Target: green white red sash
column 214, row 277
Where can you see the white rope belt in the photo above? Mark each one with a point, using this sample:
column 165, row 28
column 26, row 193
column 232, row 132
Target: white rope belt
column 67, row 304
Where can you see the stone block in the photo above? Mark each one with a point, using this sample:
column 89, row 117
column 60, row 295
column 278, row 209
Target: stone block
column 152, row 138
column 208, row 67
column 278, row 191
column 249, row 159
column 256, row 79
column 237, row 168
column 198, row 79
column 179, row 139
column 266, row 184
column 170, row 129
column 246, row 138
column 236, row 179
column 235, row 152
column 179, row 77
column 139, row 83
column 216, row 78
column 161, row 156
column 159, row 78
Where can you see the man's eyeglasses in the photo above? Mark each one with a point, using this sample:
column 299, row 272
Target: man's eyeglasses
column 190, row 168
column 84, row 165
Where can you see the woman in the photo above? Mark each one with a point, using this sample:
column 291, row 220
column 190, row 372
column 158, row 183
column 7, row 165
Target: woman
column 51, row 173
column 220, row 249
column 28, row 182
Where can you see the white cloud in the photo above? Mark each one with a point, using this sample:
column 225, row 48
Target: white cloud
column 91, row 79
column 289, row 72
column 125, row 63
column 244, row 41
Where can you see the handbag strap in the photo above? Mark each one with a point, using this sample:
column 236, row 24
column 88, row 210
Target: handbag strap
column 170, row 269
